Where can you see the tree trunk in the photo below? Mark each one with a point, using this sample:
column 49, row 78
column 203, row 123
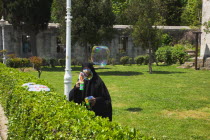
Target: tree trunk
column 86, row 53
column 154, row 58
column 150, row 57
column 33, row 44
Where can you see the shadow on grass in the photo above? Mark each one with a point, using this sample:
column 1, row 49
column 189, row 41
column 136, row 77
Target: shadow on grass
column 136, row 109
column 120, row 73
column 166, row 72
column 60, row 69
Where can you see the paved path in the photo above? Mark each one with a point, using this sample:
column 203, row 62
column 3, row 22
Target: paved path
column 3, row 124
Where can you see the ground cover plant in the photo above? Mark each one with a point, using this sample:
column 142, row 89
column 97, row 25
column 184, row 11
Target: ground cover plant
column 49, row 116
column 170, row 104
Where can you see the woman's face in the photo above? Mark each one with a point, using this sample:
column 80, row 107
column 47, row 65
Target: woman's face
column 86, row 70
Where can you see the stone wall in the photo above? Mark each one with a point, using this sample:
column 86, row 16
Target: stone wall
column 205, row 43
column 47, row 45
column 16, row 41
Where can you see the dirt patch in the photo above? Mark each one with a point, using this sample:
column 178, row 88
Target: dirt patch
column 196, row 114
column 3, row 124
column 26, row 69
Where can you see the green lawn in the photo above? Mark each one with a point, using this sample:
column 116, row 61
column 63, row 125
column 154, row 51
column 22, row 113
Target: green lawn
column 170, row 104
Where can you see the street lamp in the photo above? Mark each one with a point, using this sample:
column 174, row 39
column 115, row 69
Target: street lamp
column 67, row 76
column 2, row 24
column 196, row 48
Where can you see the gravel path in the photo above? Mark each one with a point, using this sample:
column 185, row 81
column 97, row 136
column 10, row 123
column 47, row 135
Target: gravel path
column 3, row 124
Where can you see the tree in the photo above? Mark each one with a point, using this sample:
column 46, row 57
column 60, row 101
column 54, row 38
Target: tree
column 1, row 8
column 58, row 14
column 192, row 13
column 119, row 7
column 171, row 11
column 92, row 22
column 31, row 16
column 145, row 32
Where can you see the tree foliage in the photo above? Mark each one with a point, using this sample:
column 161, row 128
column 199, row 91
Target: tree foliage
column 119, row 7
column 58, row 13
column 30, row 16
column 145, row 15
column 192, row 13
column 171, row 11
column 92, row 21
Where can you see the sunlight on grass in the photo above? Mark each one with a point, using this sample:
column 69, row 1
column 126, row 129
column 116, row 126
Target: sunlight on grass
column 170, row 104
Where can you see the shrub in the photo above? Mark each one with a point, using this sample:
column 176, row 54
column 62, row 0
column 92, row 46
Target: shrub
column 48, row 115
column 37, row 63
column 124, row 60
column 111, row 61
column 74, row 62
column 130, row 61
column 24, row 62
column 139, row 59
column 17, row 62
column 11, row 56
column 146, row 59
column 45, row 62
column 61, row 62
column 52, row 62
column 179, row 54
column 164, row 54
column 166, row 39
column 10, row 63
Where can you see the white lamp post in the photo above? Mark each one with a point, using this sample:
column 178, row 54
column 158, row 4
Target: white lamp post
column 2, row 23
column 67, row 76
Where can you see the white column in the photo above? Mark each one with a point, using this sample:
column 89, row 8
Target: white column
column 4, row 57
column 205, row 38
column 2, row 23
column 67, row 76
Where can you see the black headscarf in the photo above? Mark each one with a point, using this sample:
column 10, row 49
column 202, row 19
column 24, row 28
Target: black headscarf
column 94, row 87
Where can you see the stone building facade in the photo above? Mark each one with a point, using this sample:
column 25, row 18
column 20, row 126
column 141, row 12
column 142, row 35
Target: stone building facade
column 18, row 43
column 205, row 44
column 48, row 46
column 204, row 59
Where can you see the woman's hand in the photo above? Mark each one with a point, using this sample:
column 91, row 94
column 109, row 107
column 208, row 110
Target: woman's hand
column 77, row 84
column 92, row 101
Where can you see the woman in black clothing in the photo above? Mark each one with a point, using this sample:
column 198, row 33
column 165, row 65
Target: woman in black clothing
column 95, row 89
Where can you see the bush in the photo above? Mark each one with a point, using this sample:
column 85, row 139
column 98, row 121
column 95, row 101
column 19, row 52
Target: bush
column 24, row 62
column 139, row 59
column 179, row 54
column 11, row 56
column 146, row 59
column 48, row 115
column 37, row 63
column 61, row 62
column 111, row 61
column 124, row 60
column 130, row 61
column 164, row 54
column 52, row 62
column 166, row 39
column 13, row 62
column 45, row 62
column 74, row 62
column 18, row 62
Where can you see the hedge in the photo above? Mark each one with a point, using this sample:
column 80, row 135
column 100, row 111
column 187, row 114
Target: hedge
column 48, row 115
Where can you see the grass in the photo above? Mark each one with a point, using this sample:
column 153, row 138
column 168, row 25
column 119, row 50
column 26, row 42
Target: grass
column 170, row 104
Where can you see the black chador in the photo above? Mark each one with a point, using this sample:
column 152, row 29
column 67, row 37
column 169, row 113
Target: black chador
column 93, row 87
